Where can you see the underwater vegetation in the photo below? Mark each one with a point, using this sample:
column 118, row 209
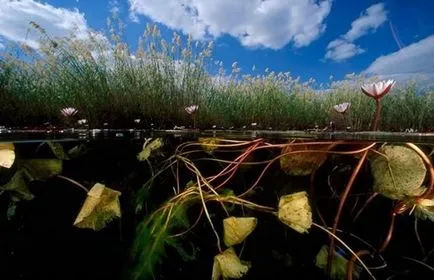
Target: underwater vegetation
column 106, row 83
column 250, row 209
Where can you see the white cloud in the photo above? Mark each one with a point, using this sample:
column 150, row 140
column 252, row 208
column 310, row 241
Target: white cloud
column 343, row 48
column 339, row 50
column 414, row 62
column 57, row 22
column 255, row 23
column 369, row 21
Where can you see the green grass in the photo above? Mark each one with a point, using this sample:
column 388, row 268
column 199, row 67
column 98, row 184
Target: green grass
column 108, row 83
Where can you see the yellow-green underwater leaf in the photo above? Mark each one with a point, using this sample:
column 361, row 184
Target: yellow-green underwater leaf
column 148, row 147
column 7, row 154
column 58, row 150
column 17, row 187
column 295, row 211
column 227, row 265
column 78, row 150
column 302, row 163
column 424, row 209
column 209, row 144
column 236, row 229
column 100, row 208
column 41, row 169
column 339, row 264
column 400, row 175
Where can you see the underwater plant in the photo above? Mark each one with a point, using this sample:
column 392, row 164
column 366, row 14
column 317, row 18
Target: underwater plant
column 377, row 91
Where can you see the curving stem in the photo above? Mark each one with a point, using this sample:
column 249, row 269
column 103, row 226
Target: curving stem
column 341, row 206
column 389, row 234
column 350, row 264
column 376, row 122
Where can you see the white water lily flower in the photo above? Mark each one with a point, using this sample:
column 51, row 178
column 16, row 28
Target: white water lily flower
column 191, row 109
column 378, row 90
column 137, row 120
column 69, row 112
column 342, row 108
column 82, row 121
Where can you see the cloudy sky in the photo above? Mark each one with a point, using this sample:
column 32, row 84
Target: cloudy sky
column 309, row 38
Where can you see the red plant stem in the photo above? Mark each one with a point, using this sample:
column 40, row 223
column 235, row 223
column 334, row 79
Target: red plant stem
column 376, row 123
column 389, row 234
column 341, row 206
column 350, row 264
column 369, row 200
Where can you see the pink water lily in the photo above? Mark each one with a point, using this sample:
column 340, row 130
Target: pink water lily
column 342, row 108
column 69, row 112
column 378, row 90
column 191, row 109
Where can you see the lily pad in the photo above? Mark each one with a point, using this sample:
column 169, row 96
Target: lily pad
column 17, row 187
column 236, row 229
column 302, row 163
column 400, row 175
column 148, row 147
column 295, row 211
column 100, row 208
column 228, row 265
column 41, row 169
column 7, row 154
column 424, row 209
column 209, row 144
column 58, row 150
column 339, row 264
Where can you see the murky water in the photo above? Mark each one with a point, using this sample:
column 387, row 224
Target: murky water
column 162, row 192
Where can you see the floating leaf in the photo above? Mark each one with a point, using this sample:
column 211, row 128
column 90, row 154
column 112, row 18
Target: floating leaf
column 339, row 264
column 228, row 265
column 17, row 187
column 57, row 150
column 235, row 230
column 295, row 211
column 100, row 208
column 148, row 147
column 41, row 169
column 7, row 154
column 209, row 144
column 400, row 175
column 302, row 163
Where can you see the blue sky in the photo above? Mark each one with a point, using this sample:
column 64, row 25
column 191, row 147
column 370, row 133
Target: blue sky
column 309, row 38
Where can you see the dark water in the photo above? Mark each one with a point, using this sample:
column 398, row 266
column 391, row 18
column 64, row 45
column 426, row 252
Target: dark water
column 38, row 239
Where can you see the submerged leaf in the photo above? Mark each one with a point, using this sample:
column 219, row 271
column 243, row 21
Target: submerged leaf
column 148, row 147
column 18, row 188
column 154, row 235
column 209, row 144
column 339, row 264
column 78, row 150
column 41, row 169
column 424, row 209
column 228, row 265
column 100, row 208
column 57, row 150
column 302, row 163
column 295, row 211
column 235, row 230
column 7, row 155
column 400, row 175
